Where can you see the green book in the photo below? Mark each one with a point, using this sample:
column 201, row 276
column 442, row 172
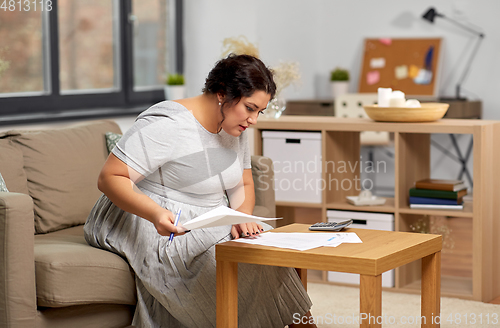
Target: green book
column 437, row 193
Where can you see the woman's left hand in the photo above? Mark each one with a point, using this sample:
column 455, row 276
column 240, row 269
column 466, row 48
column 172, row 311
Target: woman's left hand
column 246, row 229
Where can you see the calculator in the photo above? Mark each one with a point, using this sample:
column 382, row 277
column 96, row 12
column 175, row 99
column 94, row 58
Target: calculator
column 330, row 226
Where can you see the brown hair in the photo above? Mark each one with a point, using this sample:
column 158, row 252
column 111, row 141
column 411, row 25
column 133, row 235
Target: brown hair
column 238, row 76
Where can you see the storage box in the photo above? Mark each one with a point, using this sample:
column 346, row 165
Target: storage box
column 362, row 220
column 297, row 164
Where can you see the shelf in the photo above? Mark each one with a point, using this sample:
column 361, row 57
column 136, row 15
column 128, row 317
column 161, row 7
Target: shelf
column 451, row 286
column 318, row 123
column 388, row 207
column 466, row 212
column 478, row 277
column 297, row 204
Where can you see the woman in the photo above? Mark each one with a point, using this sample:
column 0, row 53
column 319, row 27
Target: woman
column 184, row 155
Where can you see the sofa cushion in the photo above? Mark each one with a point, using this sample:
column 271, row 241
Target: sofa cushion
column 11, row 166
column 62, row 167
column 70, row 272
column 86, row 316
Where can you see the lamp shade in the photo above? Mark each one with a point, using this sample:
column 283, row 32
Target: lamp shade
column 430, row 14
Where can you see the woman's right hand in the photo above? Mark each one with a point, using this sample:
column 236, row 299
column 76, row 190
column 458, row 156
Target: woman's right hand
column 164, row 223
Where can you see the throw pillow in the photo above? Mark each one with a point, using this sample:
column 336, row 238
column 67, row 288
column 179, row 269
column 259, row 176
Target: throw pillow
column 3, row 186
column 111, row 140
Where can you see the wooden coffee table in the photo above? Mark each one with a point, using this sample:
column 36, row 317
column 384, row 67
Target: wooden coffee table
column 380, row 251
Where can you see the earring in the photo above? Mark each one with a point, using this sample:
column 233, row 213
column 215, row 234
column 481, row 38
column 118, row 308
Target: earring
column 219, row 103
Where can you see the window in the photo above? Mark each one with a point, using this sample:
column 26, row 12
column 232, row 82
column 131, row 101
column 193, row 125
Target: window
column 151, row 32
column 21, row 52
column 80, row 56
column 88, row 46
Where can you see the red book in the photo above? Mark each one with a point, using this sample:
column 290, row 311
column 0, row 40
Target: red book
column 436, row 184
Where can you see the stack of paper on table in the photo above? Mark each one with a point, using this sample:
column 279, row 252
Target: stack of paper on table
column 301, row 241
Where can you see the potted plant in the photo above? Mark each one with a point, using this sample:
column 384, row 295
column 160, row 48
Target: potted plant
column 339, row 79
column 174, row 88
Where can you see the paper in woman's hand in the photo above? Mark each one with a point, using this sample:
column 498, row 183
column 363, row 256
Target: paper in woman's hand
column 221, row 216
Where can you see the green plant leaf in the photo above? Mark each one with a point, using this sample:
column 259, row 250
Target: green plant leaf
column 175, row 79
column 339, row 74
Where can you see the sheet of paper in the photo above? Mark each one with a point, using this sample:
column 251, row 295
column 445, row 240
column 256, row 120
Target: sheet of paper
column 221, row 216
column 343, row 237
column 413, row 72
column 424, row 77
column 377, row 62
column 301, row 241
column 401, row 72
column 385, row 41
column 292, row 240
column 372, row 77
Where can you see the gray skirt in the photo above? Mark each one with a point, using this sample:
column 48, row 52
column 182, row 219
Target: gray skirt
column 176, row 285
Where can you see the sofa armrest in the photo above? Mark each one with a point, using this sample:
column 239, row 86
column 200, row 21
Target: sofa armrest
column 17, row 261
column 263, row 178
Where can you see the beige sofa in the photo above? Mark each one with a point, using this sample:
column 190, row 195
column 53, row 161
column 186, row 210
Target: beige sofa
column 49, row 276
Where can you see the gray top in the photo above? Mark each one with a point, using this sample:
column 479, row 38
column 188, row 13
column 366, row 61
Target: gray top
column 179, row 158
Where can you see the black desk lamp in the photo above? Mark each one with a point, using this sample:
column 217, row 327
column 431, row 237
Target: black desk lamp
column 429, row 15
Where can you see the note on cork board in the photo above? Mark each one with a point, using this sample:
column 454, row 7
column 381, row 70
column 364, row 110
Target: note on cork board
column 409, row 65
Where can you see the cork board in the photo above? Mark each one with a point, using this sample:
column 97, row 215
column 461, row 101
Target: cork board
column 409, row 65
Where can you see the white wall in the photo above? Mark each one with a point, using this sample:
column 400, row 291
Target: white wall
column 206, row 24
column 323, row 34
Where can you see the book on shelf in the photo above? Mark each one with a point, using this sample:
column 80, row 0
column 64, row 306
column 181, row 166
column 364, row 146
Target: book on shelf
column 441, row 184
column 437, row 207
column 435, row 201
column 438, row 193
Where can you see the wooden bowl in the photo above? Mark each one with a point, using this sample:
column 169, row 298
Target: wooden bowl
column 429, row 112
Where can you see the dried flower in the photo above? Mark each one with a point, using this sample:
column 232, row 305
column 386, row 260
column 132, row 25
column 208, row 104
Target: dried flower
column 285, row 74
column 240, row 46
column 421, row 225
column 439, row 226
column 435, row 225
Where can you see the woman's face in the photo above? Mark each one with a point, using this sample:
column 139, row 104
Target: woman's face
column 244, row 113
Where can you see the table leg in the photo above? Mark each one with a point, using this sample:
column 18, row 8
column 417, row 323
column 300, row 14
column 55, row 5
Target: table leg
column 431, row 289
column 370, row 302
column 303, row 276
column 227, row 294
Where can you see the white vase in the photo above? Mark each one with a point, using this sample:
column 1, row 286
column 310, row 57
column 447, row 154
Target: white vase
column 339, row 88
column 173, row 92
